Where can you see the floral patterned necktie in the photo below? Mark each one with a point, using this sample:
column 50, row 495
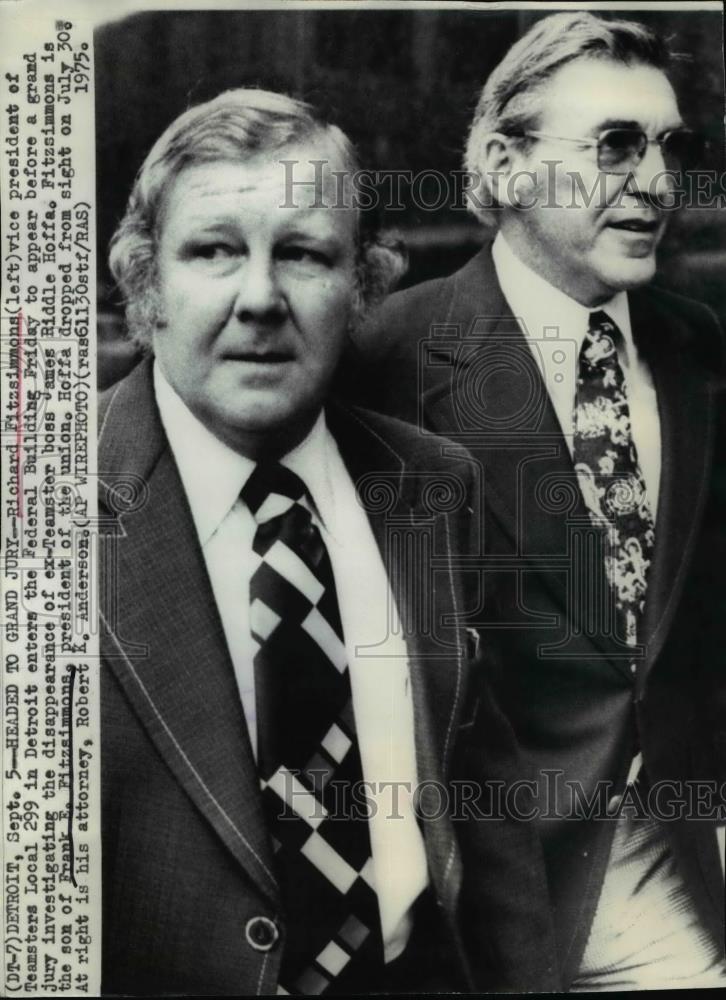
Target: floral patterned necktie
column 608, row 472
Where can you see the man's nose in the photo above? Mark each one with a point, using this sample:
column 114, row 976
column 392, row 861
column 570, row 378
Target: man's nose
column 259, row 293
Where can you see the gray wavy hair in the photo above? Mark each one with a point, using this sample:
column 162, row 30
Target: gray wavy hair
column 513, row 95
column 234, row 125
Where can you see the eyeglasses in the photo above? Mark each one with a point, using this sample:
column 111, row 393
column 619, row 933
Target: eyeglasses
column 620, row 150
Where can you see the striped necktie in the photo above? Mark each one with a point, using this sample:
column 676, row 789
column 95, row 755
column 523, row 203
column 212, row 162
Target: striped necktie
column 610, row 478
column 308, row 759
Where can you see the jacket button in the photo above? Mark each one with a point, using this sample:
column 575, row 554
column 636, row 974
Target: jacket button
column 261, row 933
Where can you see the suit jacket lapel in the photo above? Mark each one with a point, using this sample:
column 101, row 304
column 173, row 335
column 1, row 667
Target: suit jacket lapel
column 164, row 640
column 495, row 400
column 492, row 396
column 685, row 400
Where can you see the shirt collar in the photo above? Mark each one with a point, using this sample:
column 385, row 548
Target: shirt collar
column 537, row 303
column 213, row 474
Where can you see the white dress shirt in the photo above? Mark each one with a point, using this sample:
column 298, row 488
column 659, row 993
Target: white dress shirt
column 555, row 326
column 213, row 476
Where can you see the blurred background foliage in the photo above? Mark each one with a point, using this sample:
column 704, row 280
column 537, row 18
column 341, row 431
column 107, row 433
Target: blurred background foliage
column 402, row 83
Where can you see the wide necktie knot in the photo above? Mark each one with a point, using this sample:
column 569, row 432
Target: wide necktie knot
column 280, row 504
column 601, row 343
column 271, row 490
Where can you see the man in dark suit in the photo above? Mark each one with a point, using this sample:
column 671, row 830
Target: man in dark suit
column 288, row 693
column 591, row 404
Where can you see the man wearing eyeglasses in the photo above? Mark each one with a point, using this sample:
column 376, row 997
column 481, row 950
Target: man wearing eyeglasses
column 590, row 401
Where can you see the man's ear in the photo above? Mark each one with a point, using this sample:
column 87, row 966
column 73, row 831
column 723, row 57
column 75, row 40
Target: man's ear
column 499, row 160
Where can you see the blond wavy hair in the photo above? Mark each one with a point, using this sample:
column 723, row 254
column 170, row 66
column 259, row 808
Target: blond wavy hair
column 234, row 125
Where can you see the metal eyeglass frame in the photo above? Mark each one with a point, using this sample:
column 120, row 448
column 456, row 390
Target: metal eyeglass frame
column 634, row 158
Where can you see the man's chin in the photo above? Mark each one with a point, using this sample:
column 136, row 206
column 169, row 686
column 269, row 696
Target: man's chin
column 267, row 431
column 630, row 273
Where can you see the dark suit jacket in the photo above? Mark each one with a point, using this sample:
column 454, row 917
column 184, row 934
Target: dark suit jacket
column 187, row 861
column 449, row 355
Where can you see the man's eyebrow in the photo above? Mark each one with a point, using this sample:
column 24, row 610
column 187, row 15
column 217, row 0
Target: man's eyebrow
column 321, row 238
column 616, row 123
column 207, row 192
column 204, row 222
column 609, row 123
